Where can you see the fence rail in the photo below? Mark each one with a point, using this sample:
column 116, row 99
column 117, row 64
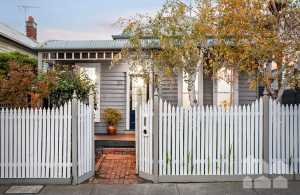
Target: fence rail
column 37, row 143
column 260, row 138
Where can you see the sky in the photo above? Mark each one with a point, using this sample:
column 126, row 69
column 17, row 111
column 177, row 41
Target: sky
column 74, row 19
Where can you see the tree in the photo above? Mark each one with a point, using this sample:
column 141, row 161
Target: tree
column 7, row 57
column 20, row 87
column 260, row 38
column 174, row 31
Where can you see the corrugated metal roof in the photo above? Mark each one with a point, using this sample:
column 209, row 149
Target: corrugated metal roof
column 14, row 35
column 91, row 44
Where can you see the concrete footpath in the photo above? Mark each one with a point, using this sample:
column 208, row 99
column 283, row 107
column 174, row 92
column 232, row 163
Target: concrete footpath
column 228, row 188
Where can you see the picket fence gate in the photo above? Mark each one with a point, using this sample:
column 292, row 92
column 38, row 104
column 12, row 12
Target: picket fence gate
column 210, row 143
column 53, row 145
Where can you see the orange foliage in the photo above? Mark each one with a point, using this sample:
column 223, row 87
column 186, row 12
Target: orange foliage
column 21, row 86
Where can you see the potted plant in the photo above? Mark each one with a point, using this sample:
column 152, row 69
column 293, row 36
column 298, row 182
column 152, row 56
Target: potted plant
column 111, row 117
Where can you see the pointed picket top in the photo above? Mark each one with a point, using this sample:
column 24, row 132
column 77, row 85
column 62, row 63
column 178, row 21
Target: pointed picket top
column 156, row 92
column 160, row 104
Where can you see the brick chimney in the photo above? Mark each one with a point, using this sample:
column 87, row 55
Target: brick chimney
column 31, row 31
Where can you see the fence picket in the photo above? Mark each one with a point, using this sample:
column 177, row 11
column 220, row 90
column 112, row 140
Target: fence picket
column 190, row 141
column 223, row 141
column 291, row 140
column 231, row 146
column 194, row 136
column 2, row 146
column 181, row 142
column 39, row 142
column 44, row 143
column 261, row 137
column 214, row 141
column 173, row 130
column 198, row 141
column 177, row 142
column 202, row 140
column 256, row 137
column 296, row 141
column 278, row 123
column 185, row 142
column 160, row 136
column 235, row 135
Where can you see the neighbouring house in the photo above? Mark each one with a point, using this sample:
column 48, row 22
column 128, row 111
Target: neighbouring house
column 13, row 40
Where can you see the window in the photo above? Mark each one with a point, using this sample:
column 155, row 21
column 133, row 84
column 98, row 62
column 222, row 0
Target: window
column 45, row 56
column 77, row 55
column 53, row 55
column 224, row 91
column 85, row 55
column 69, row 55
column 61, row 55
column 92, row 55
column 100, row 55
column 108, row 55
column 138, row 86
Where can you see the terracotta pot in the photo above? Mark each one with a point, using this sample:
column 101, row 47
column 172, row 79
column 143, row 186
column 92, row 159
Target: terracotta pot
column 111, row 130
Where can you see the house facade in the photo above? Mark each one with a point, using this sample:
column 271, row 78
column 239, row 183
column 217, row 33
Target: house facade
column 118, row 88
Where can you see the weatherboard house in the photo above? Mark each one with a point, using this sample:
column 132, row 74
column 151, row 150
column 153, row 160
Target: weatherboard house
column 116, row 86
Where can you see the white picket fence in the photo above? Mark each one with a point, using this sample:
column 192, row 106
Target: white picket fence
column 37, row 143
column 284, row 138
column 85, row 145
column 209, row 140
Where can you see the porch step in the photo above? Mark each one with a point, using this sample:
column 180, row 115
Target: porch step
column 121, row 151
column 115, row 141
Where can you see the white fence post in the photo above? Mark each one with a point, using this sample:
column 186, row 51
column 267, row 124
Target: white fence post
column 155, row 137
column 137, row 130
column 266, row 115
column 91, row 105
column 74, row 140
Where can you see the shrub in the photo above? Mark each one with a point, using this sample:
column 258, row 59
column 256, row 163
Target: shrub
column 112, row 116
column 18, row 58
column 21, row 87
column 69, row 82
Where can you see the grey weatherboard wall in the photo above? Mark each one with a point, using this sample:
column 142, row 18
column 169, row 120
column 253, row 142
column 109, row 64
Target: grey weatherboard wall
column 112, row 95
column 246, row 95
column 168, row 89
column 208, row 91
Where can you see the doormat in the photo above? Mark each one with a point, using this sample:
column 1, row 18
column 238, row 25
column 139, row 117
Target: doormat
column 31, row 189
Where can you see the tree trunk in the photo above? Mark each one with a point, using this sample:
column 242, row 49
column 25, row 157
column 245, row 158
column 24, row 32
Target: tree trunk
column 191, row 89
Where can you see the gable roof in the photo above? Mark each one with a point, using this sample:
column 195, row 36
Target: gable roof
column 14, row 35
column 92, row 44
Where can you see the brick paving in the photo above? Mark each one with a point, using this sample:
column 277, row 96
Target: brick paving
column 116, row 166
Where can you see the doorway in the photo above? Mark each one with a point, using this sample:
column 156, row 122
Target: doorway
column 138, row 86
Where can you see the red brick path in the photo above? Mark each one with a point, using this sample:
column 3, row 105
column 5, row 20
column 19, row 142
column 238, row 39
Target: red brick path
column 116, row 166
